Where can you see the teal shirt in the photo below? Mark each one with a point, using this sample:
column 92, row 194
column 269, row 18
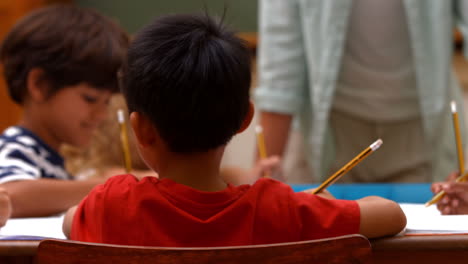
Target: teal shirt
column 300, row 50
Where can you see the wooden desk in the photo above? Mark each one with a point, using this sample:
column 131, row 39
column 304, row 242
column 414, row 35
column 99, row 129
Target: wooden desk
column 401, row 250
column 18, row 251
column 421, row 249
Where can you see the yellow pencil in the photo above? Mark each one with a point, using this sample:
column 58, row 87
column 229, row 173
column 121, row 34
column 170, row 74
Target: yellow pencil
column 124, row 140
column 366, row 152
column 461, row 159
column 456, row 128
column 261, row 145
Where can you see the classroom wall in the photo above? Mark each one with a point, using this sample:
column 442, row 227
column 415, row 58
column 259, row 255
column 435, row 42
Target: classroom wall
column 132, row 15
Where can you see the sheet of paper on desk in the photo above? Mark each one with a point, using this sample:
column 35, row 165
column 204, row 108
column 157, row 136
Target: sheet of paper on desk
column 428, row 220
column 41, row 227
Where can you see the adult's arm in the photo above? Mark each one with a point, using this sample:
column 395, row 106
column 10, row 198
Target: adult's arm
column 461, row 20
column 276, row 131
column 281, row 70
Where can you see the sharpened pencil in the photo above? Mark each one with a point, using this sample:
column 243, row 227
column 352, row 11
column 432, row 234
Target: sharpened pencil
column 360, row 157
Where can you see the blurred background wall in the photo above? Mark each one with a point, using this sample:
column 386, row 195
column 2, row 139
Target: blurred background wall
column 132, row 15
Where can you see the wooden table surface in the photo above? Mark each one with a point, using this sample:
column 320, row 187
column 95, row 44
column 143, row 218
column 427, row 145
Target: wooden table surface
column 425, row 249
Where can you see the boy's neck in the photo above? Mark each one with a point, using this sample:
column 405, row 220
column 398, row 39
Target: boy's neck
column 199, row 171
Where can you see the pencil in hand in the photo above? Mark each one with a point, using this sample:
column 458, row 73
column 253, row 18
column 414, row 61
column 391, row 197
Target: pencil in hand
column 360, row 157
column 441, row 194
column 261, row 145
column 461, row 159
column 124, row 140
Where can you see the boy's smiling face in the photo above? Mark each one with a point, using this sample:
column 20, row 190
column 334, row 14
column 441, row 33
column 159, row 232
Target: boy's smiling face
column 72, row 114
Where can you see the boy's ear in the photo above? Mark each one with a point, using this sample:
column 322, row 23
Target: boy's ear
column 37, row 86
column 145, row 132
column 248, row 118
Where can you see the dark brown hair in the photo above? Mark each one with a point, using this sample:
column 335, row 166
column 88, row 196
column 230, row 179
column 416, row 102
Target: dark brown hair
column 191, row 76
column 70, row 44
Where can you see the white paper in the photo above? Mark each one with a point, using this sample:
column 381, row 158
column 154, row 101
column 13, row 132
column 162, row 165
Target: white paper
column 421, row 219
column 41, row 226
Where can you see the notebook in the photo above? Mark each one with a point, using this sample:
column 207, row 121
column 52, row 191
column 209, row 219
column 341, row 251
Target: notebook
column 32, row 228
column 428, row 220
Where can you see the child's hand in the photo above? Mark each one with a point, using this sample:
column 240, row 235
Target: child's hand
column 269, row 167
column 112, row 171
column 324, row 193
column 455, row 200
column 140, row 174
column 239, row 176
column 437, row 186
column 5, row 206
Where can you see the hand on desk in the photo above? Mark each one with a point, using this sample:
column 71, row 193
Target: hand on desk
column 455, row 200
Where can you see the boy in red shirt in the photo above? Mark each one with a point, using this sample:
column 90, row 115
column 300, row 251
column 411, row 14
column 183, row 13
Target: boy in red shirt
column 186, row 82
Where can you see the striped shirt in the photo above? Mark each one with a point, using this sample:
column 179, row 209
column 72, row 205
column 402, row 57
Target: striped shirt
column 24, row 156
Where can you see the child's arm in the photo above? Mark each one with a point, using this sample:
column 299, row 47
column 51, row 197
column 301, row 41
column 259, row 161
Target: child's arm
column 68, row 220
column 5, row 206
column 43, row 197
column 380, row 217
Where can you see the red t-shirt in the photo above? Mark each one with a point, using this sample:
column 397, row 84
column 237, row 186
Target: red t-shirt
column 153, row 212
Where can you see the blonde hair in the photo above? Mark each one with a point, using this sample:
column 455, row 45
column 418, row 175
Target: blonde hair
column 105, row 150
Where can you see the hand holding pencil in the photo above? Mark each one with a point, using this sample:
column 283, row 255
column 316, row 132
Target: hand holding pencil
column 455, row 200
column 461, row 160
column 266, row 166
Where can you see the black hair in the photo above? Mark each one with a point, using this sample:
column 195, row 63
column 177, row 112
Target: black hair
column 70, row 44
column 190, row 76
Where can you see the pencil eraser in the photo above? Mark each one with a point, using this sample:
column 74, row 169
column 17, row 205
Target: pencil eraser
column 453, row 106
column 376, row 144
column 120, row 116
column 258, row 129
